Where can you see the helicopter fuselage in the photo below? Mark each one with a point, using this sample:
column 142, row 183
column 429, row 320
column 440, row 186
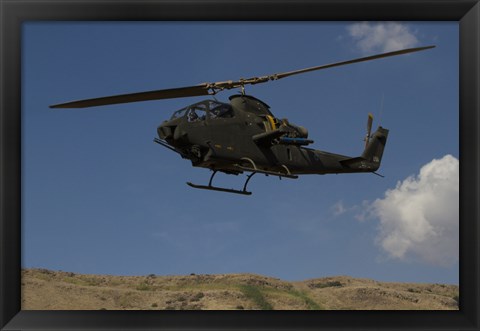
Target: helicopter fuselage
column 245, row 135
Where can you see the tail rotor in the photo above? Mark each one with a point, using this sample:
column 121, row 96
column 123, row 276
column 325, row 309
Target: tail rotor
column 369, row 129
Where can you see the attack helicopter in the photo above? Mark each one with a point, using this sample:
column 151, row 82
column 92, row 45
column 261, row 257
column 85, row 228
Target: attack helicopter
column 244, row 136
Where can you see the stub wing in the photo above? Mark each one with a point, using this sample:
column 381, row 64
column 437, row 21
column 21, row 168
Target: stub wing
column 267, row 138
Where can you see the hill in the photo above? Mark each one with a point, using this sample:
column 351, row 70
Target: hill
column 57, row 290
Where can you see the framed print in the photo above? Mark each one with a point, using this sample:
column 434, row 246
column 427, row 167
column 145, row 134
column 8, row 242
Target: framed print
column 132, row 131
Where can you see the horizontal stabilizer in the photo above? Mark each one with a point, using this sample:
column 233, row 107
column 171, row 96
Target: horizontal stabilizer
column 359, row 164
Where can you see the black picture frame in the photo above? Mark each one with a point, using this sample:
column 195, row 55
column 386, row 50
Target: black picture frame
column 14, row 12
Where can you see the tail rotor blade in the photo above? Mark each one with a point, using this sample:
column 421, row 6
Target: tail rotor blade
column 369, row 128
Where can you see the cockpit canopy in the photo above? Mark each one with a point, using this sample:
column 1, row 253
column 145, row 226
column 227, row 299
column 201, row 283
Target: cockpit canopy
column 201, row 110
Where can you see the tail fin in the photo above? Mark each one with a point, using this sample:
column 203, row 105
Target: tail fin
column 374, row 150
column 371, row 157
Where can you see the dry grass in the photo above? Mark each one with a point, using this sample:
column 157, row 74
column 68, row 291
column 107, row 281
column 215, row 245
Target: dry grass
column 57, row 290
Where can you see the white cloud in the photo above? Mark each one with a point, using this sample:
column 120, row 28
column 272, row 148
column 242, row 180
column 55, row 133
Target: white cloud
column 382, row 37
column 419, row 218
column 365, row 211
column 338, row 208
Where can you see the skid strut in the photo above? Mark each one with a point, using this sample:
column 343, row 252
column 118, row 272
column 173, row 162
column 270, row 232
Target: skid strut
column 222, row 189
column 253, row 169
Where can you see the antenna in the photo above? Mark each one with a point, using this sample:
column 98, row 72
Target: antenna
column 381, row 108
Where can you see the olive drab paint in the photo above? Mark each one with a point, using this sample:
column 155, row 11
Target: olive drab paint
column 244, row 136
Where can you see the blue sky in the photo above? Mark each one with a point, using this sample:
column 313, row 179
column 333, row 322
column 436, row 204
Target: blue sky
column 99, row 196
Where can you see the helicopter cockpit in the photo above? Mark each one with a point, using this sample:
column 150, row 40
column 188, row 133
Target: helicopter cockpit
column 209, row 110
column 201, row 110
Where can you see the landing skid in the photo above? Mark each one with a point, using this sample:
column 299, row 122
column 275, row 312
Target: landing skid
column 221, row 189
column 244, row 191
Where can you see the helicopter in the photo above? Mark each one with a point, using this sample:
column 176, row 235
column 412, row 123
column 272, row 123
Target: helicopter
column 244, row 136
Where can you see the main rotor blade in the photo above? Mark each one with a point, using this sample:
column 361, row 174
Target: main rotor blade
column 362, row 59
column 189, row 91
column 213, row 88
column 263, row 79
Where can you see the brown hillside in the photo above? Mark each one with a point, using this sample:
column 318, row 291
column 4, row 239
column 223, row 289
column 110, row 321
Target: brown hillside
column 56, row 290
